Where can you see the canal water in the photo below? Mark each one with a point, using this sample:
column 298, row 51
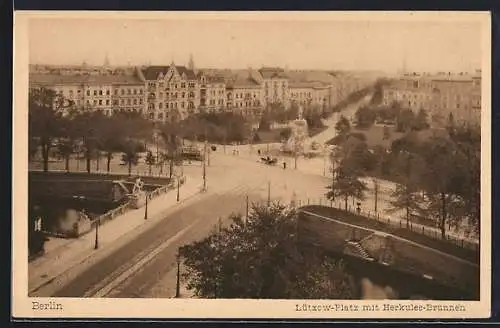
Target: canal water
column 53, row 208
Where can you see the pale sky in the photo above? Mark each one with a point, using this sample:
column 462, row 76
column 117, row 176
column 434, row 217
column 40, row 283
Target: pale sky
column 222, row 43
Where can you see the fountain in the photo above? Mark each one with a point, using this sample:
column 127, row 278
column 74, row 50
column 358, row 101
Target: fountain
column 298, row 136
column 138, row 196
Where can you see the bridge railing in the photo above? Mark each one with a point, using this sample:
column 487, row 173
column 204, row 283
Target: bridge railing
column 112, row 214
column 429, row 231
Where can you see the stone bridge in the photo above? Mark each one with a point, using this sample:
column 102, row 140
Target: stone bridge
column 109, row 188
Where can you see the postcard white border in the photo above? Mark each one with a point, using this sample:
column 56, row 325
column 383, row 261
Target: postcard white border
column 195, row 308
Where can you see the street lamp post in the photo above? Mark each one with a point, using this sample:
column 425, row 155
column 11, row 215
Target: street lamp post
column 205, row 167
column 178, row 285
column 246, row 217
column 146, row 206
column 269, row 193
column 96, row 245
column 178, row 187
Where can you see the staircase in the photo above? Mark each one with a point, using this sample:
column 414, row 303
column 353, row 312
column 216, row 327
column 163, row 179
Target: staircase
column 359, row 251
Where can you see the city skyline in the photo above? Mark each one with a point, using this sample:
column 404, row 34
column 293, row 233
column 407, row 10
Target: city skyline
column 257, row 41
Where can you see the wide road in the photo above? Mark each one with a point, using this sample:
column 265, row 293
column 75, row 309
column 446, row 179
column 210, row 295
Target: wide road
column 348, row 112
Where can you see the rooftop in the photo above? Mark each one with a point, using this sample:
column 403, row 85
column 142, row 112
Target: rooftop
column 53, row 79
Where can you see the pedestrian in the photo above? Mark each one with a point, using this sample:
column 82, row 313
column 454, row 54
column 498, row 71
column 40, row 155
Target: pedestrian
column 284, row 165
column 258, row 151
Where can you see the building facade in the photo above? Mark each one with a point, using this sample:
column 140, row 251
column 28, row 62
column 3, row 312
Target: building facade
column 309, row 94
column 108, row 93
column 245, row 96
column 212, row 93
column 439, row 94
column 173, row 92
column 275, row 86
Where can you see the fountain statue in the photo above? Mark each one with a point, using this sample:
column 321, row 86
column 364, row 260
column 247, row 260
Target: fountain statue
column 138, row 196
column 298, row 135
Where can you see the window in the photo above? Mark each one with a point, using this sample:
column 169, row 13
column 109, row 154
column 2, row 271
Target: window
column 116, row 92
column 95, row 92
column 166, row 105
column 140, row 91
column 160, row 116
column 182, row 104
column 160, row 105
column 140, row 101
column 107, row 92
column 122, row 91
column 135, row 91
column 115, row 102
column 100, row 102
column 135, row 101
column 129, row 102
column 88, row 102
column 129, row 91
column 100, row 92
column 95, row 102
column 122, row 101
column 88, row 92
column 183, row 95
column 183, row 85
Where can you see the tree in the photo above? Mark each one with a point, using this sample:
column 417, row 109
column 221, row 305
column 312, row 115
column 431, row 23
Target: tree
column 421, row 121
column 46, row 109
column 365, row 117
column 386, row 133
column 113, row 135
column 343, row 127
column 286, row 133
column 264, row 123
column 89, row 125
column 467, row 139
column 378, row 94
column 170, row 134
column 443, row 178
column 262, row 259
column 150, row 160
column 346, row 184
column 405, row 120
column 65, row 148
column 130, row 154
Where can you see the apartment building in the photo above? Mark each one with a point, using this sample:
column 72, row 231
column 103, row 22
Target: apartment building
column 442, row 94
column 108, row 93
column 245, row 95
column 275, row 85
column 173, row 92
column 309, row 94
column 212, row 92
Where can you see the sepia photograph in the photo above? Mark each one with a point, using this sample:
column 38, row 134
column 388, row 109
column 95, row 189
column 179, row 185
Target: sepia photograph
column 251, row 164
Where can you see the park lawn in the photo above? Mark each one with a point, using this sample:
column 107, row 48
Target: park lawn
column 348, row 217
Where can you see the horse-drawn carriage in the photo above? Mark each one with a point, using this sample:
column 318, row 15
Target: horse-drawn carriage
column 269, row 161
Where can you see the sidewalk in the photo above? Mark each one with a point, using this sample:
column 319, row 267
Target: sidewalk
column 63, row 254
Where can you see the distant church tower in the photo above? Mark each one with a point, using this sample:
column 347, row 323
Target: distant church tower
column 106, row 61
column 191, row 62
